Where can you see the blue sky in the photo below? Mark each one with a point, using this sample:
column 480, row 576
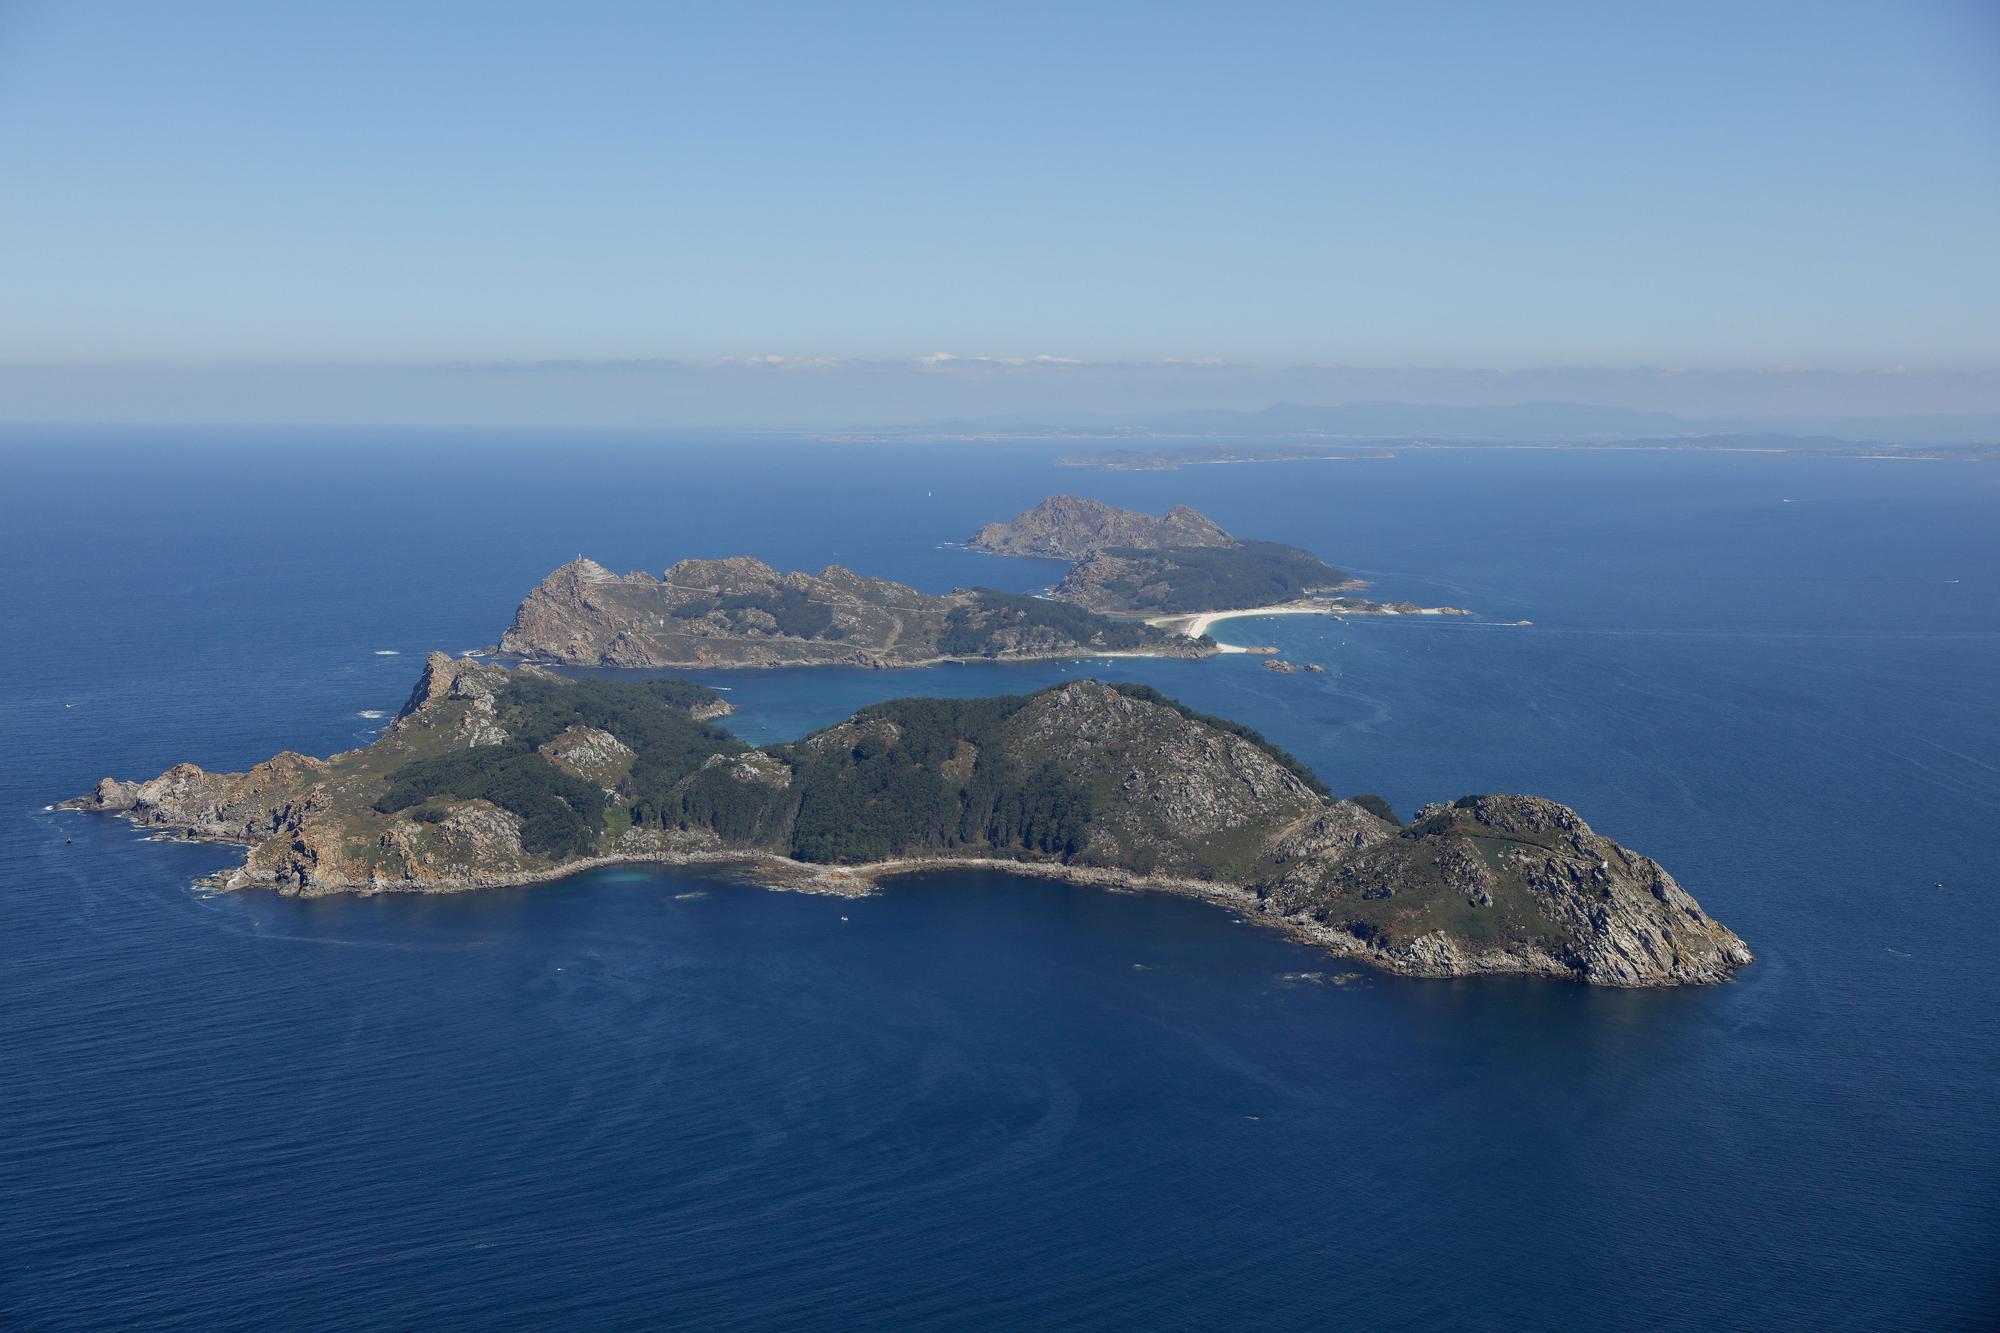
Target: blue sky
column 1688, row 185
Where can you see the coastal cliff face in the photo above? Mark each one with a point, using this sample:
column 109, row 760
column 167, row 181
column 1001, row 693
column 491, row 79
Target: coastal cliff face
column 1069, row 527
column 742, row 612
column 491, row 776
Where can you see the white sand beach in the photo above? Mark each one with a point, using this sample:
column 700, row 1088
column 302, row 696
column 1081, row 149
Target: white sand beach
column 1194, row 626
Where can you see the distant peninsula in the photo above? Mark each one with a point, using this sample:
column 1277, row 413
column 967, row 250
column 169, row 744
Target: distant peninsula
column 494, row 776
column 1172, row 458
column 1197, row 455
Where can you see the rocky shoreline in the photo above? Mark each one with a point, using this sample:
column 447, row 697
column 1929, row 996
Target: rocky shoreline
column 491, row 777
column 1435, row 956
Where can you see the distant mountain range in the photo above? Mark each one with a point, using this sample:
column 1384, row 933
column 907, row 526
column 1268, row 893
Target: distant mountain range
column 1497, row 423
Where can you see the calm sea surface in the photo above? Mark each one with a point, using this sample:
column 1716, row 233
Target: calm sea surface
column 643, row 1098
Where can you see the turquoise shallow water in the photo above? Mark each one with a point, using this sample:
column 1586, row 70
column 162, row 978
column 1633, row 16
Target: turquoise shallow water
column 641, row 1097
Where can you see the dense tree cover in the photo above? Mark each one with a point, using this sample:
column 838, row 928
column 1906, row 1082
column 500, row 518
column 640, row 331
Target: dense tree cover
column 560, row 815
column 738, row 811
column 648, row 715
column 1047, row 813
column 1376, row 806
column 638, row 712
column 1291, row 762
column 920, row 775
column 970, row 630
column 1219, row 578
column 928, row 775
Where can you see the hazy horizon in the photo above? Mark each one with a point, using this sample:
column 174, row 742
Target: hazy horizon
column 791, row 217
column 833, row 394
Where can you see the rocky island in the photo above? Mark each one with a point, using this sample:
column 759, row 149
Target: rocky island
column 1176, row 568
column 742, row 612
column 1069, row 527
column 493, row 776
column 1140, row 584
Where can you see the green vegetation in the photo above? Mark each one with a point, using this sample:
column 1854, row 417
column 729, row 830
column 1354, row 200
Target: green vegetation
column 971, row 630
column 797, row 614
column 561, row 816
column 1376, row 806
column 918, row 778
column 539, row 708
column 908, row 776
column 738, row 811
column 650, row 716
column 1292, row 763
column 1216, row 578
column 927, row 775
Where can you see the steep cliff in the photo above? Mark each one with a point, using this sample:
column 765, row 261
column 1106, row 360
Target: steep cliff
column 491, row 776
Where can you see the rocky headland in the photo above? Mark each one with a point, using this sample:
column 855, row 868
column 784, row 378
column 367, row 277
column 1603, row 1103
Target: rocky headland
column 492, row 775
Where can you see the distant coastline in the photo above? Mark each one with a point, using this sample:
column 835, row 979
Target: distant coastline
column 1168, row 459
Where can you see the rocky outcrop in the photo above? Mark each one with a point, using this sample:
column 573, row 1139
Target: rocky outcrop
column 1176, row 794
column 1069, row 527
column 1507, row 884
column 1097, row 783
column 188, row 802
column 465, row 680
column 592, row 754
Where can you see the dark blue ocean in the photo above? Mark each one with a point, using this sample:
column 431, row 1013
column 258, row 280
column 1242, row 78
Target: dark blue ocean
column 640, row 1099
